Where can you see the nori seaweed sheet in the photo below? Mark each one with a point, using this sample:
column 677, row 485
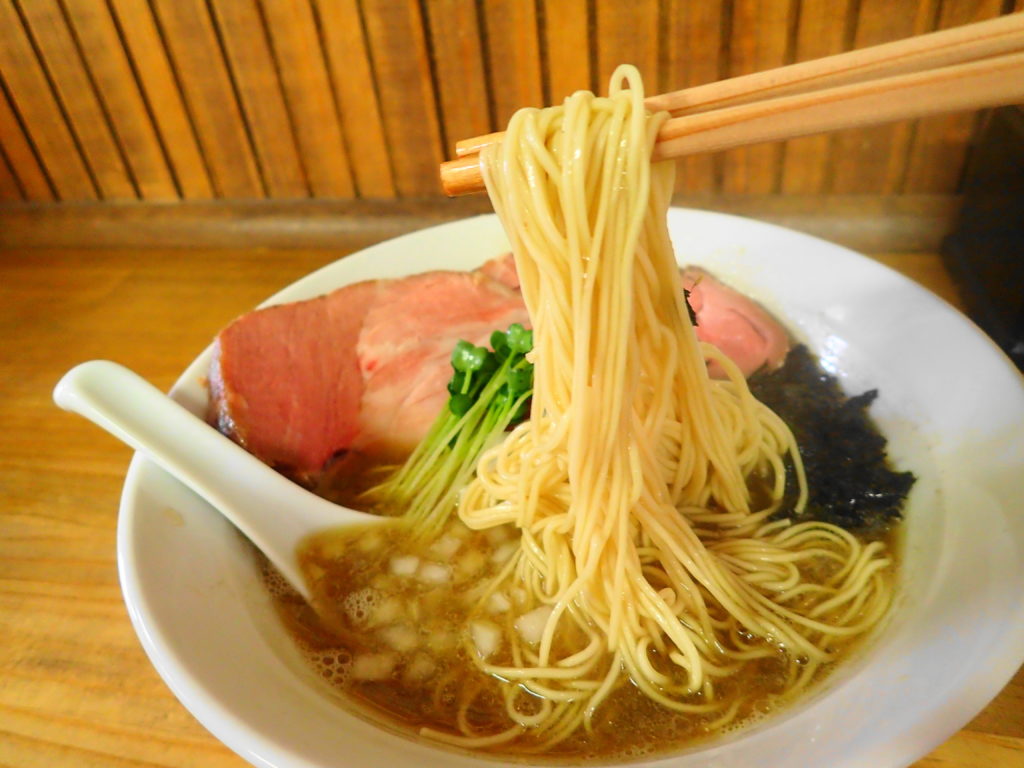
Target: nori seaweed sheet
column 851, row 481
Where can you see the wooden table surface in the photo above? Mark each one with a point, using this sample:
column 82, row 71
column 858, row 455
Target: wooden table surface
column 76, row 689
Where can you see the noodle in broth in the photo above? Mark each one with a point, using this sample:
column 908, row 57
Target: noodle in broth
column 639, row 549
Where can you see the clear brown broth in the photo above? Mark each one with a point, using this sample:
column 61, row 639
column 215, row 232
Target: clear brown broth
column 333, row 639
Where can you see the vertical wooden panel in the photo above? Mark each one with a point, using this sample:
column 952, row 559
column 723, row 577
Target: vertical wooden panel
column 458, row 62
column 871, row 160
column 23, row 162
column 9, row 189
column 342, row 98
column 108, row 63
column 939, row 144
column 760, row 36
column 821, row 32
column 567, row 37
column 513, row 52
column 151, row 65
column 252, row 64
column 67, row 71
column 308, row 89
column 349, row 60
column 693, row 36
column 35, row 102
column 203, row 74
column 399, row 52
column 627, row 33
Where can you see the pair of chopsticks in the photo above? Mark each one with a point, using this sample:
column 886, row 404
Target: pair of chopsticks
column 969, row 67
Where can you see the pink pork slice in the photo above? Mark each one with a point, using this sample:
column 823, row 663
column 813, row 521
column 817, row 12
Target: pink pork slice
column 405, row 348
column 747, row 334
column 285, row 381
column 503, row 269
column 363, row 368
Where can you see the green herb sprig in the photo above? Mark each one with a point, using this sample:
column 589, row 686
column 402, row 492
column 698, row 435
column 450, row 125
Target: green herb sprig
column 489, row 391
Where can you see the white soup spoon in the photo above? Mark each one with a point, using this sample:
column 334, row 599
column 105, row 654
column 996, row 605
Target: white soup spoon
column 273, row 512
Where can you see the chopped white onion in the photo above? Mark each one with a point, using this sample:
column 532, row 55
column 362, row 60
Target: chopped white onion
column 420, row 669
column 498, row 603
column 405, row 565
column 441, row 642
column 370, row 541
column 434, row 573
column 486, row 637
column 497, row 534
column 445, row 547
column 505, row 551
column 530, row 626
column 401, row 637
column 471, row 562
column 373, row 666
column 389, row 610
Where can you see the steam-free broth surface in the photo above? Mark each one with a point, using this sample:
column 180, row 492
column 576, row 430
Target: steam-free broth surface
column 393, row 630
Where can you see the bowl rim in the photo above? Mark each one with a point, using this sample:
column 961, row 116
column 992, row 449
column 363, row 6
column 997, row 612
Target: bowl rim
column 930, row 728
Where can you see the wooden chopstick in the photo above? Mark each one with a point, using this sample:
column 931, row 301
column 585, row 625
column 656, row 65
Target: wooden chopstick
column 930, row 84
column 969, row 42
column 985, row 83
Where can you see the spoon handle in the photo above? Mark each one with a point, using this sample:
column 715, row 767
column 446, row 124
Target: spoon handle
column 273, row 512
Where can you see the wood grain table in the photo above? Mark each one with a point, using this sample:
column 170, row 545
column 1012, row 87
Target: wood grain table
column 76, row 689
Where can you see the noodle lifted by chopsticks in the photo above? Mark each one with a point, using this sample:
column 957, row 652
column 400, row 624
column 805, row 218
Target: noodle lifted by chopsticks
column 630, row 483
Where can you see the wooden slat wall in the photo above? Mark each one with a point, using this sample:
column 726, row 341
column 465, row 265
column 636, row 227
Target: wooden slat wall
column 821, row 30
column 163, row 100
column 693, row 54
column 944, row 136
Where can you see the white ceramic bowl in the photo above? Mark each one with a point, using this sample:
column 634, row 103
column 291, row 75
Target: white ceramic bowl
column 951, row 404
